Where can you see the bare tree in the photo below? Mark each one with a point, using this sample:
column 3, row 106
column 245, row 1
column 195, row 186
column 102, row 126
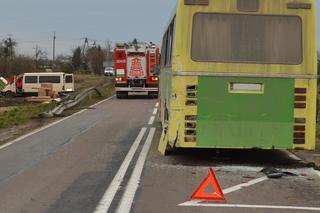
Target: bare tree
column 40, row 56
column 108, row 49
column 7, row 54
column 96, row 57
column 77, row 58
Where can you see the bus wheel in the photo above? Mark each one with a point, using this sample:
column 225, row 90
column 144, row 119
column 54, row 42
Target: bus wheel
column 121, row 95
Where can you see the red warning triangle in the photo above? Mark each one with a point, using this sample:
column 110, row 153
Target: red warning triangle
column 210, row 181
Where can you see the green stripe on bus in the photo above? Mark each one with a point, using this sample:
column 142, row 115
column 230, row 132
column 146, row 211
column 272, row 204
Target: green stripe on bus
column 245, row 120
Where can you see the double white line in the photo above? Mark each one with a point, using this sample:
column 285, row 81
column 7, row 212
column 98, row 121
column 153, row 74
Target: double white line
column 128, row 196
column 133, row 184
column 154, row 113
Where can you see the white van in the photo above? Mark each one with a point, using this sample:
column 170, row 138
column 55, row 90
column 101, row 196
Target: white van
column 31, row 82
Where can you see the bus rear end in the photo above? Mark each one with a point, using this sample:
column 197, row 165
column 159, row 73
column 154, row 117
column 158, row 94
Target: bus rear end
column 244, row 77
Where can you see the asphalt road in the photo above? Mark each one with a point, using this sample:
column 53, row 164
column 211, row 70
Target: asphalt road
column 105, row 159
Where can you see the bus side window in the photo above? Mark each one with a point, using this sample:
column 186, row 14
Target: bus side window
column 167, row 45
column 163, row 50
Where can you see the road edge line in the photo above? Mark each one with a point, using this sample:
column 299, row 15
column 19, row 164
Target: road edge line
column 5, row 145
column 253, row 206
column 49, row 125
column 106, row 200
column 133, row 184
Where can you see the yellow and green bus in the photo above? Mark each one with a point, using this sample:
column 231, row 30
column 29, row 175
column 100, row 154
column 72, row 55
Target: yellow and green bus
column 239, row 74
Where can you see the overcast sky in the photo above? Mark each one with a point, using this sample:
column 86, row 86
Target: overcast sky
column 32, row 22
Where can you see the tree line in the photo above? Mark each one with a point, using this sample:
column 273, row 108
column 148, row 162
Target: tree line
column 88, row 59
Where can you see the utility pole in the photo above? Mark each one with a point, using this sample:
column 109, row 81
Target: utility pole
column 85, row 46
column 10, row 47
column 54, row 50
column 83, row 56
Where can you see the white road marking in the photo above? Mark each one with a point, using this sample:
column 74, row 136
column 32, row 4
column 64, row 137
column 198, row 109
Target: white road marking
column 5, row 145
column 151, row 120
column 157, row 104
column 229, row 190
column 243, row 185
column 114, row 186
column 254, row 206
column 100, row 102
column 155, row 111
column 133, row 184
column 50, row 125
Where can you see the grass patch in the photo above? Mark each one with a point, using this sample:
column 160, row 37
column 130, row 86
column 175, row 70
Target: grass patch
column 22, row 114
column 104, row 84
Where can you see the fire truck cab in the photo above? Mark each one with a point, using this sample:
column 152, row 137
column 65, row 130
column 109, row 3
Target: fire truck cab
column 136, row 68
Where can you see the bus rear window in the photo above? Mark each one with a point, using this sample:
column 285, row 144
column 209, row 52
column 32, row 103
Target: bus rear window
column 250, row 38
column 50, row 79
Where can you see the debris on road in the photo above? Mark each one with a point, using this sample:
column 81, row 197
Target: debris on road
column 273, row 173
column 312, row 158
column 248, row 177
column 41, row 99
column 45, row 94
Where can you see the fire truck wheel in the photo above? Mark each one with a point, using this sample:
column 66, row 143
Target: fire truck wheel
column 121, row 95
column 153, row 94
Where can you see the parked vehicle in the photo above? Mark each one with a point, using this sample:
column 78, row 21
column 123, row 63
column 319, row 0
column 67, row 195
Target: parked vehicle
column 239, row 74
column 109, row 71
column 3, row 83
column 135, row 65
column 29, row 83
column 8, row 88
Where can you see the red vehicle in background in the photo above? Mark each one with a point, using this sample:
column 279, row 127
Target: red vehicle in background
column 136, row 68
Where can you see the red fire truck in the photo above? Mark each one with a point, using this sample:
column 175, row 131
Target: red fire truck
column 136, row 68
